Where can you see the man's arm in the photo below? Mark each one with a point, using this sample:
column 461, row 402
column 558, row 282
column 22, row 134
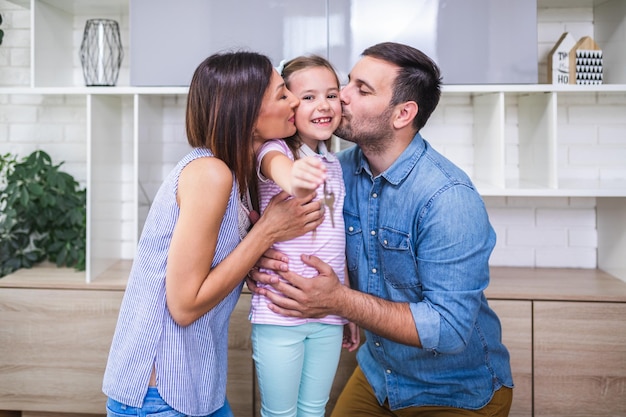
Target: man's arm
column 324, row 295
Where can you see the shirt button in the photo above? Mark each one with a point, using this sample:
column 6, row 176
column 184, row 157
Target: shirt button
column 385, row 241
column 373, row 270
column 351, row 229
column 388, row 371
column 373, row 232
column 377, row 344
column 374, row 195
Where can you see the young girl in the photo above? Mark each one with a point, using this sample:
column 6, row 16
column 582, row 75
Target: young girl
column 296, row 359
column 169, row 350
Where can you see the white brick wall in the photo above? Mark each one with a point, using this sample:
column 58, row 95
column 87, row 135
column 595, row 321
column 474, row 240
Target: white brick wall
column 544, row 232
column 56, row 124
column 15, row 48
column 532, row 232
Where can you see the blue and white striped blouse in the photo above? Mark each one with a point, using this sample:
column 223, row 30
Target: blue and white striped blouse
column 190, row 362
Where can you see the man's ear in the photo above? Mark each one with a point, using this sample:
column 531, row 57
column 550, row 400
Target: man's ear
column 405, row 113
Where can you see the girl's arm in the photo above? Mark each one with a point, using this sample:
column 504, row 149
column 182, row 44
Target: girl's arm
column 192, row 287
column 299, row 177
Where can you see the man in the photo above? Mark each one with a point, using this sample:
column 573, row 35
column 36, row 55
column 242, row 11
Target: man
column 418, row 246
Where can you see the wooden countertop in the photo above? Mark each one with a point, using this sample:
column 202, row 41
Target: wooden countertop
column 555, row 284
column 49, row 276
column 507, row 283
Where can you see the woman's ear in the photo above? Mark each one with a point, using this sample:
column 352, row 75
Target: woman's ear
column 406, row 112
column 255, row 135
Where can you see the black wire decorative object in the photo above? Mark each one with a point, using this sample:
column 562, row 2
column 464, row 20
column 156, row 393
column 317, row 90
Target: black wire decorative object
column 101, row 52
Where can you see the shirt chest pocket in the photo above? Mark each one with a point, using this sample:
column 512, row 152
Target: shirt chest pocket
column 354, row 240
column 397, row 259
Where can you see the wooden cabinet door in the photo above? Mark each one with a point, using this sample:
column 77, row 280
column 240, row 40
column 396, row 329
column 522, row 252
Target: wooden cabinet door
column 580, row 359
column 516, row 319
column 240, row 387
column 54, row 346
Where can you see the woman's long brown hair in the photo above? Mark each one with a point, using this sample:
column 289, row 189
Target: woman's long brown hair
column 223, row 105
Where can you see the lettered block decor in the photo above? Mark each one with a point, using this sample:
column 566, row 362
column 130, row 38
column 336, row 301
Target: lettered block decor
column 585, row 62
column 558, row 60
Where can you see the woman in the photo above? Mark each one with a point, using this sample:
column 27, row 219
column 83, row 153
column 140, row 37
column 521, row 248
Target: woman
column 169, row 350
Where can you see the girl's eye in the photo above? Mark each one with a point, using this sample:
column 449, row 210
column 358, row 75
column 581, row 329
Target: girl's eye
column 331, row 96
column 307, row 98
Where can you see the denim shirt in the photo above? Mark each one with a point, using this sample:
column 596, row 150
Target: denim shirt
column 419, row 233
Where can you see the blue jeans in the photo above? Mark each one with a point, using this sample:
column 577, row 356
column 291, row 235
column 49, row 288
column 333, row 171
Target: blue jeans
column 155, row 406
column 295, row 367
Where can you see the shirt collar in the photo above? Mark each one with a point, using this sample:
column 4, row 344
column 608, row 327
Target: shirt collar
column 402, row 166
column 305, row 150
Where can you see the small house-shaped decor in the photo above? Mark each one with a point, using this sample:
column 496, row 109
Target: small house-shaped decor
column 585, row 62
column 559, row 61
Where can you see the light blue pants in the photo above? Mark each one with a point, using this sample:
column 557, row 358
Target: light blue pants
column 295, row 367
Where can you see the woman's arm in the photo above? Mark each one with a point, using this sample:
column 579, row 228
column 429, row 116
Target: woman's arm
column 192, row 287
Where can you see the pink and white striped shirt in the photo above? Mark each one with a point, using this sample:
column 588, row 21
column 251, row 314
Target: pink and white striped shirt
column 326, row 242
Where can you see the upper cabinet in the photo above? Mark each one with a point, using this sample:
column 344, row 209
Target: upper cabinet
column 505, row 32
column 169, row 39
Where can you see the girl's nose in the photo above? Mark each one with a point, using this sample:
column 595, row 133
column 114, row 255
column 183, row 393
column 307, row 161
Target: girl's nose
column 323, row 105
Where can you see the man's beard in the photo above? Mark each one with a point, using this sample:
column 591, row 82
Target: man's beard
column 373, row 134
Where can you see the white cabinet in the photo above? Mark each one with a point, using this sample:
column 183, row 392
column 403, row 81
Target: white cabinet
column 514, row 140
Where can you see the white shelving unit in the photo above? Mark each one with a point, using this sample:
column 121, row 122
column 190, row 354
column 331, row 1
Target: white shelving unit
column 128, row 146
column 538, row 120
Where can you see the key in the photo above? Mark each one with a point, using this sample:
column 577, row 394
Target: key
column 329, row 200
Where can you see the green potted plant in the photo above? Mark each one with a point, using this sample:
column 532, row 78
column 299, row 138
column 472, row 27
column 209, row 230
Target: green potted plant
column 42, row 214
column 1, row 31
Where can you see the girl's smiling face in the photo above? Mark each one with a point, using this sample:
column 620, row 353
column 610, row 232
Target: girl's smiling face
column 319, row 112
